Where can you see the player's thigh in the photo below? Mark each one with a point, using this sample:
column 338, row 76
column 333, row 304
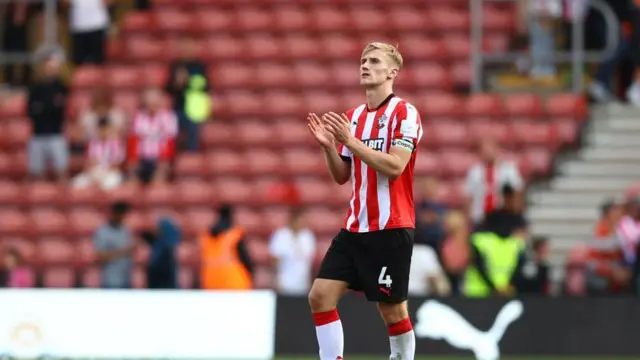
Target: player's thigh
column 337, row 272
column 384, row 264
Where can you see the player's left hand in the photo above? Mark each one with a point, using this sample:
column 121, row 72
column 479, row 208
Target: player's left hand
column 338, row 126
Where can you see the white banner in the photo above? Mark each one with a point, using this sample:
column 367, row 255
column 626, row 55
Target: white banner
column 137, row 324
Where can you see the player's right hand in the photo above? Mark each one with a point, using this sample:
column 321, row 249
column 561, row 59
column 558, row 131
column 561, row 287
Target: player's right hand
column 318, row 130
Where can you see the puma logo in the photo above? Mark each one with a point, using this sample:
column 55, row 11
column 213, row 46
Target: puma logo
column 438, row 321
column 385, row 291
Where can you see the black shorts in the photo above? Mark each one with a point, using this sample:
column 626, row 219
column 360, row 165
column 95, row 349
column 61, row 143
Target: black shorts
column 376, row 263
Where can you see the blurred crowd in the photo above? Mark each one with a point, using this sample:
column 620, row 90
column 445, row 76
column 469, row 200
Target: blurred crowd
column 458, row 249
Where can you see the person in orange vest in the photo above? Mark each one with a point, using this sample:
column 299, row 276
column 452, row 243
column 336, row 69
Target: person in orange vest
column 225, row 263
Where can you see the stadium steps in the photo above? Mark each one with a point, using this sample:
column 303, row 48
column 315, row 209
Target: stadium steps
column 608, row 163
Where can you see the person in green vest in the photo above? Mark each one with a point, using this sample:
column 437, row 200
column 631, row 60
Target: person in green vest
column 498, row 256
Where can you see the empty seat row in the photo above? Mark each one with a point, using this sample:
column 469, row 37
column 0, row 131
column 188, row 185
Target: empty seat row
column 263, row 47
column 52, row 222
column 320, row 18
column 275, row 104
column 299, row 76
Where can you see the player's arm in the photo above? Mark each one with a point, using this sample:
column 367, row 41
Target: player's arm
column 339, row 166
column 390, row 165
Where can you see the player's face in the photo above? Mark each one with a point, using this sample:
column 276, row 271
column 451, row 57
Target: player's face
column 376, row 69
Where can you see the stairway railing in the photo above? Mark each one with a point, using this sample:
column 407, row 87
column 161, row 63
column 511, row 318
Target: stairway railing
column 578, row 56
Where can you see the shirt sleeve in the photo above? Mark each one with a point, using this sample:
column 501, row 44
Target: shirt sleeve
column 515, row 179
column 275, row 244
column 407, row 130
column 99, row 241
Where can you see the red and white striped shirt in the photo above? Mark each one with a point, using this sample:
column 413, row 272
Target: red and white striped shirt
column 153, row 136
column 107, row 152
column 377, row 202
column 628, row 233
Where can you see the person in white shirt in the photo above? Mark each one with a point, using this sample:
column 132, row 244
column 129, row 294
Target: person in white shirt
column 105, row 156
column 89, row 22
column 293, row 248
column 486, row 179
column 426, row 276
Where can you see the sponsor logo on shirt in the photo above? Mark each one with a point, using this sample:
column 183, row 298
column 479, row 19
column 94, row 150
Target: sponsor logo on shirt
column 375, row 144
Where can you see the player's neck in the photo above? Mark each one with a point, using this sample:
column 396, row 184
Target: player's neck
column 375, row 96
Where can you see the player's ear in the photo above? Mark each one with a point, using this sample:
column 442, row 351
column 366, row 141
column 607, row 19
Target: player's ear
column 393, row 72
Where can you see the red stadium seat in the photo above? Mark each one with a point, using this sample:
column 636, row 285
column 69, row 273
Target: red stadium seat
column 84, row 222
column 484, row 105
column 304, row 162
column 448, row 19
column 539, row 160
column 276, row 75
column 218, row 134
column 139, row 278
column 90, row 278
column 264, row 47
column 456, row 163
column 422, row 47
column 86, row 252
column 263, row 278
column 10, row 193
column 314, row 191
column 123, row 77
column 457, row 46
column 259, row 251
column 280, row 103
column 225, row 162
column 255, row 133
column 49, row 222
column 159, row 195
column 311, row 74
column 224, row 47
column 522, row 105
column 250, row 220
column 407, row 18
column 320, row 102
column 450, row 134
column 137, row 22
column 56, row 251
column 234, row 190
column 275, row 217
column 567, row 105
column 566, row 130
column 369, row 18
column 174, row 20
column 59, row 277
column 234, row 75
column 214, row 19
column 144, row 48
column 251, row 19
column 186, row 277
column 244, row 103
column 87, row 77
column 86, row 197
column 301, row 47
column 263, row 162
column 17, row 132
column 194, row 193
column 25, row 247
column 190, row 164
column 44, row 193
column 198, row 220
column 187, row 253
column 13, row 106
column 427, row 164
column 428, row 75
column 336, row 45
column 291, row 18
column 534, row 134
column 323, row 220
column 435, row 104
column 331, row 19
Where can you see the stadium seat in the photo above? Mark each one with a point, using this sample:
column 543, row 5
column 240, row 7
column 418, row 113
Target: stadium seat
column 566, row 105
column 275, row 217
column 10, row 192
column 522, row 105
column 456, row 163
column 262, row 278
column 218, row 134
column 49, row 222
column 58, row 277
column 254, row 134
column 44, row 193
column 250, row 220
column 55, row 251
column 90, row 278
column 187, row 253
column 323, row 220
column 302, row 48
column 291, row 18
column 190, row 165
column 159, row 195
column 259, row 251
column 186, row 277
column 225, row 162
column 234, row 190
column 85, row 221
column 86, row 252
column 304, row 162
column 263, row 162
column 198, row 221
column 450, row 134
column 194, row 192
column 484, row 105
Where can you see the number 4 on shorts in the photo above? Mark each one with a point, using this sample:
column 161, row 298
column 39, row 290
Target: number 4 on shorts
column 383, row 278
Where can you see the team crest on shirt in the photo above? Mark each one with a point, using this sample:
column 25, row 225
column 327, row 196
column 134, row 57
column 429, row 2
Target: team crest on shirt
column 382, row 121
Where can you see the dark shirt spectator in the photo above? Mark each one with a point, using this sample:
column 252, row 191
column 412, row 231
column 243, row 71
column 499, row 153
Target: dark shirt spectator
column 15, row 39
column 535, row 274
column 47, row 105
column 162, row 266
column 507, row 220
column 430, row 215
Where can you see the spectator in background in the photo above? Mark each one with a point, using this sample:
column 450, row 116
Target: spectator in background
column 105, row 156
column 535, row 272
column 47, row 107
column 508, row 219
column 162, row 266
column 188, row 87
column 455, row 251
column 292, row 249
column 15, row 40
column 142, row 4
column 14, row 273
column 101, row 108
column 89, row 23
column 152, row 140
column 427, row 277
column 611, row 212
column 628, row 230
column 542, row 16
column 114, row 246
column 486, row 179
column 633, row 92
column 224, row 259
column 430, row 213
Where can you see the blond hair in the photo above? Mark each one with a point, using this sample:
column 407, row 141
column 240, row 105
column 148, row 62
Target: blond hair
column 389, row 50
